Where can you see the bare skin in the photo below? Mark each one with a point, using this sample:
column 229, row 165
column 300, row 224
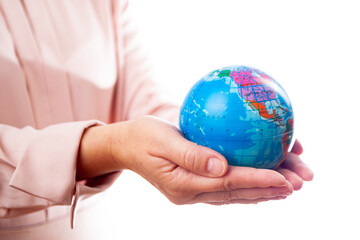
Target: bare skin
column 183, row 171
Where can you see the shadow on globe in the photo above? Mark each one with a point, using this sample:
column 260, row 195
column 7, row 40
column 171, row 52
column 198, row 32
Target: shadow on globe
column 243, row 114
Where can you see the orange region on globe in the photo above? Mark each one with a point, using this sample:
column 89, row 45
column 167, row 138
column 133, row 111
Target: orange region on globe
column 262, row 110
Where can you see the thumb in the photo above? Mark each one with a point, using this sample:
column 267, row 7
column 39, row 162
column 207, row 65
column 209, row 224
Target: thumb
column 195, row 158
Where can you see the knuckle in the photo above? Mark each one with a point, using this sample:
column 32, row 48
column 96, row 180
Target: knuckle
column 228, row 185
column 225, row 203
column 271, row 193
column 190, row 157
column 228, row 196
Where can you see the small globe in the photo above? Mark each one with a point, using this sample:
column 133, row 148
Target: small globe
column 243, row 114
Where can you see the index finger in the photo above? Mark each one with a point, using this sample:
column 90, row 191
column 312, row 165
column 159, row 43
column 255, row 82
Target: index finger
column 239, row 177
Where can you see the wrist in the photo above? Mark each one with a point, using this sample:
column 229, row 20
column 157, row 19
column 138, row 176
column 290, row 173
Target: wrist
column 95, row 155
column 118, row 143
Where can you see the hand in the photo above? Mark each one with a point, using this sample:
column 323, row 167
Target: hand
column 295, row 170
column 185, row 172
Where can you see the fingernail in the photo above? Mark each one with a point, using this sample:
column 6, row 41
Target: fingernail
column 215, row 167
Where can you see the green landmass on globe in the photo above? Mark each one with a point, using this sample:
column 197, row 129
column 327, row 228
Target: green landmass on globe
column 242, row 113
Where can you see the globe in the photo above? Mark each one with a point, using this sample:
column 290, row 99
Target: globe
column 242, row 113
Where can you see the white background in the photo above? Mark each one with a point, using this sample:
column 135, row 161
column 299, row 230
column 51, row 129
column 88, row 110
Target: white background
column 312, row 49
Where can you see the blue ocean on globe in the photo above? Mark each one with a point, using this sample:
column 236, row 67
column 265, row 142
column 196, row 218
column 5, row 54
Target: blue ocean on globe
column 242, row 113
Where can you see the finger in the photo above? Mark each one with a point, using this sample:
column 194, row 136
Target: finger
column 246, row 193
column 297, row 148
column 236, row 178
column 292, row 177
column 295, row 164
column 247, row 201
column 197, row 159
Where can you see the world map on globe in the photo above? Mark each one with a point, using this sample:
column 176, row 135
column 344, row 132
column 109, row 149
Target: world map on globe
column 242, row 113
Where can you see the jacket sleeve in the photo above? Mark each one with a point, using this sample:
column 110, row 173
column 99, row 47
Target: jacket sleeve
column 38, row 167
column 136, row 92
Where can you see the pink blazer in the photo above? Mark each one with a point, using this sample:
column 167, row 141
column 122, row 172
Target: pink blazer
column 64, row 66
